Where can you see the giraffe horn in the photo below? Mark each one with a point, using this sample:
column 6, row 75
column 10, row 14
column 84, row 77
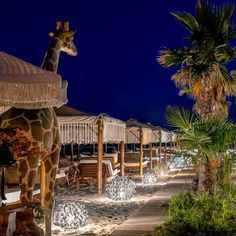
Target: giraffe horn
column 66, row 25
column 59, row 25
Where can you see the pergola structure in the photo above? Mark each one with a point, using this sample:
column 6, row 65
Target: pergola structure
column 140, row 133
column 160, row 135
column 85, row 128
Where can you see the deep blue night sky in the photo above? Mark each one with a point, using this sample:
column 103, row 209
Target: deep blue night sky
column 118, row 40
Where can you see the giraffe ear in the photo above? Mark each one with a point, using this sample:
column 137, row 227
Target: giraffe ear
column 72, row 32
column 51, row 34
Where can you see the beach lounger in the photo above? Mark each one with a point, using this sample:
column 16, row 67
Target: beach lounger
column 88, row 172
column 113, row 157
column 135, row 165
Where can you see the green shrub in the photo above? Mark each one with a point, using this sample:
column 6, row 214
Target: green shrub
column 199, row 214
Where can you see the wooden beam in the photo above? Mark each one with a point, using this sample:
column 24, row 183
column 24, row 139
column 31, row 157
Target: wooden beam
column 71, row 150
column 165, row 152
column 42, row 183
column 150, row 147
column 100, row 153
column 122, row 158
column 159, row 150
column 63, row 150
column 141, row 152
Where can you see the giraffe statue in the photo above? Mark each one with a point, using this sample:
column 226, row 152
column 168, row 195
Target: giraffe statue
column 42, row 125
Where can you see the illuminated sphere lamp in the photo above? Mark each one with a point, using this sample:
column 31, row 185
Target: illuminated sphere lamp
column 121, row 188
column 149, row 178
column 70, row 215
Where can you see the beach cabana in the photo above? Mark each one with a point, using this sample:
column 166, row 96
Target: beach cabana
column 85, row 128
column 138, row 133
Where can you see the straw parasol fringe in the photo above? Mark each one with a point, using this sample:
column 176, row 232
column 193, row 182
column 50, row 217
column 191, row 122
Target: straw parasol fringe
column 25, row 86
column 32, row 96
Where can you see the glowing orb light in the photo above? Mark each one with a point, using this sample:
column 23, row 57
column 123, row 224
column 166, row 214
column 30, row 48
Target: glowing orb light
column 120, row 188
column 161, row 169
column 70, row 215
column 149, row 178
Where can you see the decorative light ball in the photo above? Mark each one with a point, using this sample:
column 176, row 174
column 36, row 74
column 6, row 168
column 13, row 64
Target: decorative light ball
column 149, row 178
column 161, row 169
column 70, row 215
column 120, row 188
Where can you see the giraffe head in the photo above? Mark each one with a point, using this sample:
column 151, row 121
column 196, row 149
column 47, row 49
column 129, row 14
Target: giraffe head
column 66, row 37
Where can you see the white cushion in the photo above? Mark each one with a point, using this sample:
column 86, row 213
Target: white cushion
column 106, row 162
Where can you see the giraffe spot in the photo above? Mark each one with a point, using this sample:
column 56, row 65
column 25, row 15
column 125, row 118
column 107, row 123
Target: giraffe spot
column 33, row 161
column 23, row 168
column 35, row 143
column 31, row 114
column 36, row 130
column 48, row 113
column 23, row 188
column 4, row 124
column 13, row 112
column 23, row 199
column 45, row 122
column 48, row 196
column 51, row 186
column 53, row 55
column 54, row 171
column 20, row 122
column 30, row 195
column 47, row 166
column 31, row 178
column 47, row 139
column 49, row 67
column 55, row 157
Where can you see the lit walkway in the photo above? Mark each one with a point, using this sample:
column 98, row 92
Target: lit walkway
column 155, row 210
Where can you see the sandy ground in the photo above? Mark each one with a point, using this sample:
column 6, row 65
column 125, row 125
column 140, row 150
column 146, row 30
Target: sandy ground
column 104, row 214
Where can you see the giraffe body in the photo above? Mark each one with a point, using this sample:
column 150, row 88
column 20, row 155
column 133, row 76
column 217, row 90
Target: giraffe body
column 42, row 125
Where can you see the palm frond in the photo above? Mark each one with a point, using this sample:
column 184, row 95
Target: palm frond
column 179, row 118
column 170, row 57
column 188, row 20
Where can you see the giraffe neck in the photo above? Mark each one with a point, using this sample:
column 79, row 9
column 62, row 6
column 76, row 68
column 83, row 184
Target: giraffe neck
column 50, row 62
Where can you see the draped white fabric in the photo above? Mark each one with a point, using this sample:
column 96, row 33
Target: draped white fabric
column 132, row 135
column 83, row 129
column 165, row 136
column 155, row 136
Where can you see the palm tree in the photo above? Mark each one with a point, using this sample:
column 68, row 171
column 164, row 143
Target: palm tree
column 211, row 138
column 203, row 74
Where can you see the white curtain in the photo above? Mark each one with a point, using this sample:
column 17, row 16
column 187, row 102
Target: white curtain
column 83, row 129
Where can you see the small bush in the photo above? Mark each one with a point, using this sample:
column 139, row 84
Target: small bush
column 199, row 214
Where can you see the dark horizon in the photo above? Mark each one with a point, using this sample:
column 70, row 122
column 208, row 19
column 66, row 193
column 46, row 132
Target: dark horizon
column 115, row 71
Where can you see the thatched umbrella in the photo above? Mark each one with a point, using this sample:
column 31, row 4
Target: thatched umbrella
column 25, row 86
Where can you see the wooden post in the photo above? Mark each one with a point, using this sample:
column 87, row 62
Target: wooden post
column 159, row 150
column 63, row 150
column 122, row 158
column 165, row 152
column 42, row 183
column 71, row 150
column 78, row 153
column 100, row 153
column 150, row 147
column 93, row 148
column 141, row 153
